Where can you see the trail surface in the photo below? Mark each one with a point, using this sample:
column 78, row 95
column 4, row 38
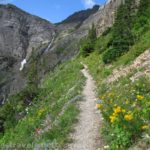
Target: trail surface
column 87, row 135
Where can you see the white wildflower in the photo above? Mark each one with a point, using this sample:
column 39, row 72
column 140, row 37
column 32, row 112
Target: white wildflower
column 106, row 146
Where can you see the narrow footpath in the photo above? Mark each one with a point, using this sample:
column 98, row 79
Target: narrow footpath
column 87, row 130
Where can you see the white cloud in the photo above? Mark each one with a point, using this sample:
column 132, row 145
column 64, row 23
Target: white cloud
column 88, row 3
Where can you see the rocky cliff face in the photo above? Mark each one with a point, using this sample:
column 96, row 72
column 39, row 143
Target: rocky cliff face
column 104, row 17
column 22, row 34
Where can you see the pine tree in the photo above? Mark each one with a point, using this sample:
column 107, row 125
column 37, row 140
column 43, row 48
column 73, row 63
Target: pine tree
column 92, row 34
column 144, row 4
column 87, row 44
column 122, row 34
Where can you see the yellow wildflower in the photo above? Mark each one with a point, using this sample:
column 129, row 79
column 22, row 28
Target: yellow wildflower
column 110, row 94
column 99, row 106
column 41, row 111
column 117, row 109
column 140, row 97
column 112, row 118
column 128, row 117
column 144, row 127
column 114, row 114
column 102, row 97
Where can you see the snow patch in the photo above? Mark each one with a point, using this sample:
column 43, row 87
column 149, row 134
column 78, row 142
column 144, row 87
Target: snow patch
column 23, row 64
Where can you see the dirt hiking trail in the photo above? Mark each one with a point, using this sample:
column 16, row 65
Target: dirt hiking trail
column 87, row 134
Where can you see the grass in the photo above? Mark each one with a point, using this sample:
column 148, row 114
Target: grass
column 58, row 88
column 127, row 126
column 63, row 128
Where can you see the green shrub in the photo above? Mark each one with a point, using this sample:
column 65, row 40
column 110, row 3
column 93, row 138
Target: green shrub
column 86, row 48
column 110, row 55
column 107, row 31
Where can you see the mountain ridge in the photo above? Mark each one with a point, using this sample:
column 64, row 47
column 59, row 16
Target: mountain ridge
column 80, row 15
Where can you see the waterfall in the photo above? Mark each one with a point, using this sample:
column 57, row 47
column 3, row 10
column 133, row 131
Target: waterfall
column 50, row 44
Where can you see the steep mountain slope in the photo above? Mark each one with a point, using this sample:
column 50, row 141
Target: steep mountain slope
column 123, row 81
column 20, row 33
column 72, row 32
column 53, row 108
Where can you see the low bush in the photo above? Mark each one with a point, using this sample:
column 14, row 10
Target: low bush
column 86, row 48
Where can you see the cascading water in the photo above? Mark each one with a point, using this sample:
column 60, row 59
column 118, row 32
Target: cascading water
column 50, row 44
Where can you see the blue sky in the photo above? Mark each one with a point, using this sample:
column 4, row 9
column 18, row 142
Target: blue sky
column 54, row 10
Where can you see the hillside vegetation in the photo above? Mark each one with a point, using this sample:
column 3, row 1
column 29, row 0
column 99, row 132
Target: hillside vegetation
column 45, row 114
column 124, row 103
column 49, row 116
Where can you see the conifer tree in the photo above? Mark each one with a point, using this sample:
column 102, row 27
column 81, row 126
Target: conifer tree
column 87, row 44
column 122, row 34
column 92, row 33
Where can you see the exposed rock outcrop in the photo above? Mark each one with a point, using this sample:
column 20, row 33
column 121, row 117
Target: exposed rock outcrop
column 20, row 32
column 141, row 62
column 104, row 17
